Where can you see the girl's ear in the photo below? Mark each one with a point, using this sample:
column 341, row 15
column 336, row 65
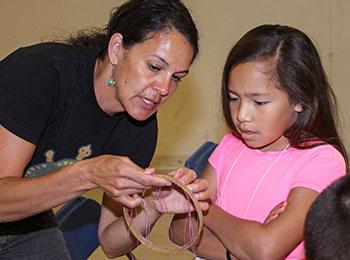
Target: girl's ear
column 115, row 48
column 298, row 108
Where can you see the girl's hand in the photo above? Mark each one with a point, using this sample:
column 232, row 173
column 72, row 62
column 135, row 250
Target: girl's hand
column 173, row 200
column 276, row 211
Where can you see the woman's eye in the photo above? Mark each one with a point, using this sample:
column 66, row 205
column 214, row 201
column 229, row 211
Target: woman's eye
column 154, row 67
column 176, row 78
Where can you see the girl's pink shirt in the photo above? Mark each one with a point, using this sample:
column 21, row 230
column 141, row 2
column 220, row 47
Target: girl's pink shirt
column 247, row 189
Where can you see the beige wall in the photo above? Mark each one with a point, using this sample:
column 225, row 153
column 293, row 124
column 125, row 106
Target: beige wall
column 192, row 115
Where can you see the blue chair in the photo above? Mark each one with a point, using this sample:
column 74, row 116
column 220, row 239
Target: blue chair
column 199, row 159
column 78, row 220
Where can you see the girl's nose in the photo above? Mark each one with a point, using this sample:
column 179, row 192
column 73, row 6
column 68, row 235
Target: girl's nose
column 243, row 114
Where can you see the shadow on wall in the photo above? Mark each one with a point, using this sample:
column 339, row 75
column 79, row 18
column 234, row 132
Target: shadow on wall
column 178, row 120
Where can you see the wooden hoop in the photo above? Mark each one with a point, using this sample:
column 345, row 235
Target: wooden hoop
column 163, row 249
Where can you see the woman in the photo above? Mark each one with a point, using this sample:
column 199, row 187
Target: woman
column 91, row 105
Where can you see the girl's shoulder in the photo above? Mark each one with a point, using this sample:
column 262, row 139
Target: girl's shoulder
column 317, row 167
column 325, row 151
column 230, row 139
column 230, row 144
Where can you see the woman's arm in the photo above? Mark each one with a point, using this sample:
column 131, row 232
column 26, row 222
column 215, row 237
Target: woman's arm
column 23, row 197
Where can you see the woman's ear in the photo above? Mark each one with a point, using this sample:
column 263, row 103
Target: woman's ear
column 115, row 48
column 298, row 108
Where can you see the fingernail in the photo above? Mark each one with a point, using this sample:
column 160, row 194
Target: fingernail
column 274, row 214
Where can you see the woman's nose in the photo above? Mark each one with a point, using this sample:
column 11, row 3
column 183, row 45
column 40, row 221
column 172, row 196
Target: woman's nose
column 162, row 86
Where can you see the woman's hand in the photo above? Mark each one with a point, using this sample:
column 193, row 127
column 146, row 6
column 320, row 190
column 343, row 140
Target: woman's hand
column 173, row 200
column 276, row 211
column 118, row 177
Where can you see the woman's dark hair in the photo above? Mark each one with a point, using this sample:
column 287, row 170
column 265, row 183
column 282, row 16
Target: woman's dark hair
column 295, row 66
column 138, row 20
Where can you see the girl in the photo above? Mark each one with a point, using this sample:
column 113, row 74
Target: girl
column 283, row 147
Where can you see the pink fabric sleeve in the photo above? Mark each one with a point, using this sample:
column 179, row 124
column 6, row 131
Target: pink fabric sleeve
column 327, row 166
column 214, row 157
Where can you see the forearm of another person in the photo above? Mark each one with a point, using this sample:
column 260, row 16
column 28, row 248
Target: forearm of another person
column 114, row 235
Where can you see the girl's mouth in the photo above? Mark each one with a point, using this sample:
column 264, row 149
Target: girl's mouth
column 247, row 135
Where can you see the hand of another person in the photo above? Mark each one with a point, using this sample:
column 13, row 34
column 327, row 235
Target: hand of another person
column 173, row 200
column 119, row 178
column 276, row 211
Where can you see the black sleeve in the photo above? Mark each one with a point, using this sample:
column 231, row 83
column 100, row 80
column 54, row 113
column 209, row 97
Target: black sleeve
column 134, row 139
column 29, row 92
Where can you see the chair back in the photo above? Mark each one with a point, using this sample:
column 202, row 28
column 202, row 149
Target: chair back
column 78, row 220
column 199, row 159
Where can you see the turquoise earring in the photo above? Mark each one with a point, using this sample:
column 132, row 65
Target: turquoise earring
column 111, row 82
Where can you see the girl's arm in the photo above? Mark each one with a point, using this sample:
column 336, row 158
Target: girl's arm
column 115, row 238
column 209, row 246
column 253, row 240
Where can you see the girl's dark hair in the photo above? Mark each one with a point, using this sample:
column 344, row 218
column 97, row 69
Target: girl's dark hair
column 294, row 64
column 138, row 20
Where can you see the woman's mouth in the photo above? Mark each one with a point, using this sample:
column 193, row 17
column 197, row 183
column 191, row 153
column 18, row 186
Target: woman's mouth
column 147, row 101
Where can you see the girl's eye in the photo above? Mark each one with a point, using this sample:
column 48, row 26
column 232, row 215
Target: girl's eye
column 261, row 103
column 232, row 98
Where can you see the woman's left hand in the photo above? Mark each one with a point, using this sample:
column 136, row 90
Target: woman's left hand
column 172, row 199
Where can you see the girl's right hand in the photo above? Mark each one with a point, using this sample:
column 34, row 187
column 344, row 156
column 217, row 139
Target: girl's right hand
column 276, row 211
column 172, row 200
column 118, row 177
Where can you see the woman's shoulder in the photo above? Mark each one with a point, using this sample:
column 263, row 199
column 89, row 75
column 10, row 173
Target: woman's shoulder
column 51, row 52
